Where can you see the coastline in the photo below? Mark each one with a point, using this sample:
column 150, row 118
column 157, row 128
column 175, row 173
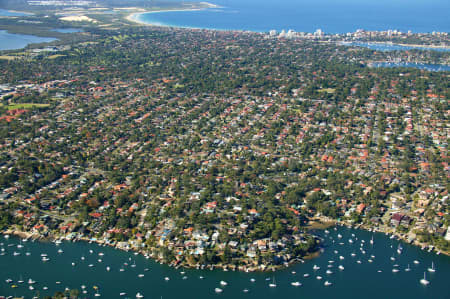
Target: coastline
column 315, row 224
column 133, row 17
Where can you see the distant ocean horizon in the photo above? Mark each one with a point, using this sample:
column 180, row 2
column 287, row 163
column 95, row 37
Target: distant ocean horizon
column 330, row 16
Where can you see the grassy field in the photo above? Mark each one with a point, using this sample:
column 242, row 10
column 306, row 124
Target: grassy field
column 26, row 106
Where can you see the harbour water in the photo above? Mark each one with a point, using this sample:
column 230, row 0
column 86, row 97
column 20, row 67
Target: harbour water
column 392, row 47
column 10, row 41
column 371, row 277
column 8, row 13
column 422, row 66
column 306, row 16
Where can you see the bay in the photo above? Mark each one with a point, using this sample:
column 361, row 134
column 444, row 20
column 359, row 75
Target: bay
column 306, row 16
column 8, row 13
column 422, row 66
column 356, row 280
column 67, row 30
column 10, row 41
column 393, row 47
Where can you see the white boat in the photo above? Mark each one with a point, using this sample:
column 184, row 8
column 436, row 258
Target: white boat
column 184, row 277
column 336, row 252
column 45, row 259
column 371, row 241
column 399, row 249
column 245, row 290
column 408, row 269
column 31, row 288
column 60, row 251
column 315, row 267
column 353, row 254
column 16, row 253
column 223, row 283
column 97, row 295
column 370, row 260
column 140, row 275
column 319, row 277
column 424, row 280
column 45, row 288
column 122, row 294
column 358, row 261
column 339, row 236
column 252, row 279
column 327, row 283
column 329, row 272
column 330, row 261
column 99, row 260
column 121, row 269
column 166, row 278
column 341, row 257
column 91, row 265
column 327, row 232
column 218, row 290
column 432, row 269
column 273, row 284
column 350, row 241
column 296, row 284
column 91, row 251
column 73, row 264
column 293, row 272
column 108, row 268
column 416, row 262
column 341, row 267
column 392, row 258
column 395, row 270
column 82, row 258
column 9, row 280
column 31, row 281
column 101, row 254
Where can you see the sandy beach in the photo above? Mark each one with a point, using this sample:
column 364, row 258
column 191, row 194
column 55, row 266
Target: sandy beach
column 134, row 16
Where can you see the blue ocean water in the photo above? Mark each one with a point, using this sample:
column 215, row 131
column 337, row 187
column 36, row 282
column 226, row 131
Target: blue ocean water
column 306, row 16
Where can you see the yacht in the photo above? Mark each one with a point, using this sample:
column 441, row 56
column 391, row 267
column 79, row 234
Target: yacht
column 329, row 272
column 223, row 283
column 408, row 269
column 424, row 280
column 341, row 267
column 218, row 290
column 273, row 284
column 121, row 269
column 315, row 267
column 358, row 261
column 296, row 284
column 140, row 275
column 353, row 254
column 327, row 283
column 319, row 277
column 341, row 257
column 306, row 275
column 122, row 294
column 60, row 251
column 416, row 262
column 245, row 290
column 252, row 279
column 395, row 270
column 108, row 268
column 432, row 269
column 371, row 241
column 166, row 278
column 339, row 236
column 31, row 281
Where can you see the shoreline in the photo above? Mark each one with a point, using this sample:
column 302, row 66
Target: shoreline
column 314, row 225
column 133, row 17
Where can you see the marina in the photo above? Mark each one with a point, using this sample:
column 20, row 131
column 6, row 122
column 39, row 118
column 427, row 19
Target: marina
column 119, row 274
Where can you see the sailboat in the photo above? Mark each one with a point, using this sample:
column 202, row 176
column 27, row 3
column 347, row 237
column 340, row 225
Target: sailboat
column 424, row 280
column 371, row 241
column 273, row 284
column 432, row 269
column 408, row 269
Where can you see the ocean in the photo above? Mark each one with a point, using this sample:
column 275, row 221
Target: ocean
column 307, row 16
